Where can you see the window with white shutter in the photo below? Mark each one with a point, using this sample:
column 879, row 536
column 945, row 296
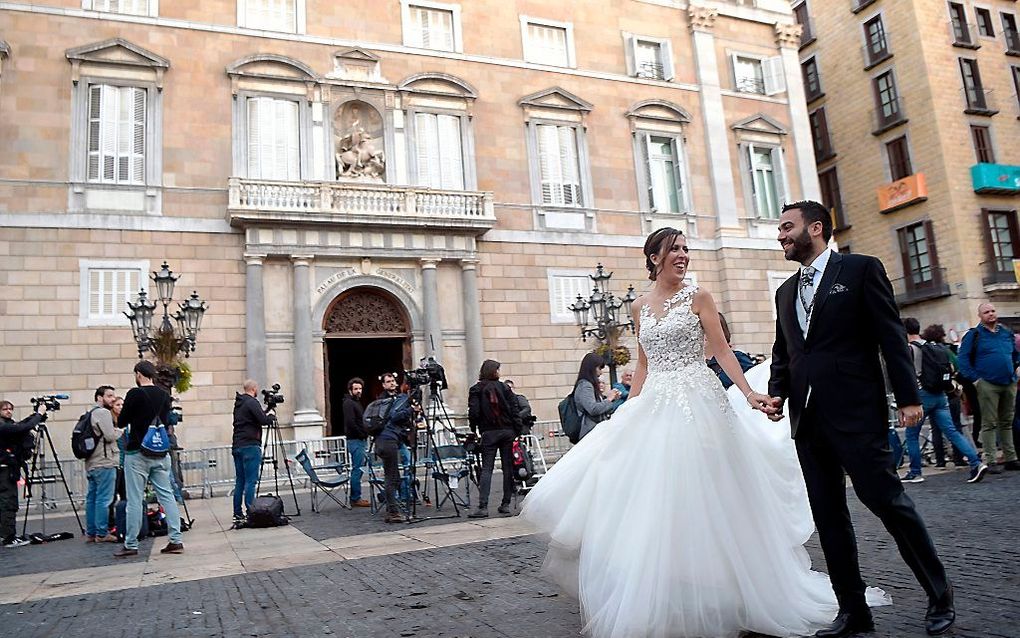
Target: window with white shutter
column 270, row 15
column 564, row 287
column 116, row 134
column 559, row 172
column 649, row 58
column 106, row 287
column 665, row 173
column 758, row 75
column 773, row 76
column 274, row 149
column 766, row 180
column 132, row 7
column 431, row 28
column 438, row 152
column 548, row 44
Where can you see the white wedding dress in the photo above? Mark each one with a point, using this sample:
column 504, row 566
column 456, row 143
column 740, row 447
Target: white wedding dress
column 685, row 514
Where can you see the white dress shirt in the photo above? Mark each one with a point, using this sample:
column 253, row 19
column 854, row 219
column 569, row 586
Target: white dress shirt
column 819, row 264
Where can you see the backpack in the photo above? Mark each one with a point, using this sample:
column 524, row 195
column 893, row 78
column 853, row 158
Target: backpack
column 84, row 439
column 377, row 414
column 156, row 442
column 936, row 369
column 570, row 418
column 524, row 464
column 267, row 511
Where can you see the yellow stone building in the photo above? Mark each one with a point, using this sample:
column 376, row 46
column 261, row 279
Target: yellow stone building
column 913, row 107
column 352, row 186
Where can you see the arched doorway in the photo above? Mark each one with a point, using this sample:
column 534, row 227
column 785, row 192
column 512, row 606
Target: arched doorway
column 367, row 333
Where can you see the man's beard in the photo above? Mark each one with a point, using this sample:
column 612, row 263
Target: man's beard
column 802, row 247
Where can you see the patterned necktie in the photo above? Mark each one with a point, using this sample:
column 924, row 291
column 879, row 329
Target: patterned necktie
column 807, row 289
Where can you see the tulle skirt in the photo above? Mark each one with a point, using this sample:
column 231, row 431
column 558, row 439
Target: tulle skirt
column 684, row 515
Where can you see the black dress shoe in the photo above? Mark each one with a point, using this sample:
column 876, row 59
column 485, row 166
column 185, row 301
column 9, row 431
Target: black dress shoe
column 848, row 623
column 941, row 614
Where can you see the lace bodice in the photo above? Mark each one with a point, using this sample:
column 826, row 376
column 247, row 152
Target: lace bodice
column 672, row 336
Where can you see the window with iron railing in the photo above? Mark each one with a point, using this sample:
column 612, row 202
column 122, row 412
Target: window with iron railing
column 958, row 22
column 887, row 100
column 974, row 91
column 920, row 260
column 984, row 22
column 829, row 183
column 1015, row 72
column 820, row 135
column 802, row 14
column 1009, row 32
column 876, row 41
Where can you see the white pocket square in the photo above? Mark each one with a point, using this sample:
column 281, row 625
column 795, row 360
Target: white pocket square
column 838, row 288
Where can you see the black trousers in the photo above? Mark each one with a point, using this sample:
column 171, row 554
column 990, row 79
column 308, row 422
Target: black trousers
column 389, row 451
column 503, row 442
column 8, row 502
column 824, row 455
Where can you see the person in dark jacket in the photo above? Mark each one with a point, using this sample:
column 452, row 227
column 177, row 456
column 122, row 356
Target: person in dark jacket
column 142, row 406
column 493, row 412
column 246, row 446
column 13, row 446
column 389, row 442
column 357, row 437
column 528, row 418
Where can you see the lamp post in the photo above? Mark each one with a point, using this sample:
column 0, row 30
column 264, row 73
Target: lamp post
column 177, row 333
column 610, row 315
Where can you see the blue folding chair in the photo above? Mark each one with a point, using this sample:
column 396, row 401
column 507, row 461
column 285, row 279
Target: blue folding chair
column 339, row 481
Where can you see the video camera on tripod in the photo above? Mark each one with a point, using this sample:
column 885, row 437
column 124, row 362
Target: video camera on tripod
column 51, row 401
column 429, row 372
column 272, row 397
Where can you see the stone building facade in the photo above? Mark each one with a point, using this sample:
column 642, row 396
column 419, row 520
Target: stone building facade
column 914, row 113
column 354, row 186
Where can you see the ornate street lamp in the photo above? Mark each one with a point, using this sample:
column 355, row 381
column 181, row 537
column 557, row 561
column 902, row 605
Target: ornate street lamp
column 609, row 322
column 178, row 333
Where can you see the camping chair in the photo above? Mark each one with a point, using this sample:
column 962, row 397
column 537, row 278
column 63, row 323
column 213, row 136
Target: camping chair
column 328, row 487
column 455, row 467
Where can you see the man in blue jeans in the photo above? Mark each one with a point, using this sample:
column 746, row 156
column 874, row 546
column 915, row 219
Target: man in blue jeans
column 357, row 437
column 936, row 406
column 101, row 469
column 246, row 446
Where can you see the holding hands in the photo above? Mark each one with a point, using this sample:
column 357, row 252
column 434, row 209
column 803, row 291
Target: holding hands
column 765, row 404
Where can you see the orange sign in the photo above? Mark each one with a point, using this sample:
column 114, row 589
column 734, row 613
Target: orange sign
column 904, row 192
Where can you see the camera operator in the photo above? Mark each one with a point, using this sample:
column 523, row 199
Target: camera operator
column 246, row 446
column 390, row 389
column 528, row 419
column 493, row 411
column 390, row 444
column 17, row 441
column 357, row 443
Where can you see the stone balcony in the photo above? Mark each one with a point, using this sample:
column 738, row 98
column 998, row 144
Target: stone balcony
column 265, row 202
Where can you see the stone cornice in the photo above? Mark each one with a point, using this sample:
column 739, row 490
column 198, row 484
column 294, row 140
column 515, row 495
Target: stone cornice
column 702, row 18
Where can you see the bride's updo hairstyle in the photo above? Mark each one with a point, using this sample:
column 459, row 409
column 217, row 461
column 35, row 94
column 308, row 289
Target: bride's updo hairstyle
column 659, row 243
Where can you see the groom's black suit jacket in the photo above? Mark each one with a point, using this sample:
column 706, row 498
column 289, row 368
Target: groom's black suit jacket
column 854, row 317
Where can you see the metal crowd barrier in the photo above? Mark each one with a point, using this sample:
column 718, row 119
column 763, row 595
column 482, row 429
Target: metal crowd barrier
column 209, row 472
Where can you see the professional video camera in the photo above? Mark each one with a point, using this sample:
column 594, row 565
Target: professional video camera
column 429, row 372
column 272, row 397
column 51, row 401
column 177, row 409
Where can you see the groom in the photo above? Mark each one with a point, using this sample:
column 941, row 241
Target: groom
column 834, row 318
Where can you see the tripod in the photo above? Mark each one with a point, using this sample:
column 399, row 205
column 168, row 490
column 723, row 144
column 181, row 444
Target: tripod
column 435, row 415
column 37, row 475
column 272, row 442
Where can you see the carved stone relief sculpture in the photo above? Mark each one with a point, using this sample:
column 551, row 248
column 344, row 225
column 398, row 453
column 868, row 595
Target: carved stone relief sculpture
column 359, row 142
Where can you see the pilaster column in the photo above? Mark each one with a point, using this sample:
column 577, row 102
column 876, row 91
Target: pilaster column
column 305, row 412
column 788, row 41
column 472, row 317
column 430, row 300
column 255, row 319
column 702, row 21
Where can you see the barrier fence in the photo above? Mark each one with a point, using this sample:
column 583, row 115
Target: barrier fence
column 209, row 472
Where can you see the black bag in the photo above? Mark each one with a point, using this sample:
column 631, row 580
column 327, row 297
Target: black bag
column 120, row 515
column 936, row 368
column 267, row 511
column 377, row 414
column 570, row 418
column 84, row 439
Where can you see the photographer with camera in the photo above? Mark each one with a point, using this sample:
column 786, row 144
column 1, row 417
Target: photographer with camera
column 147, row 407
column 391, row 444
column 17, row 441
column 246, row 445
column 493, row 411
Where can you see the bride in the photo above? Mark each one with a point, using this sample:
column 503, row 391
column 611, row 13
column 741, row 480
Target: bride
column 685, row 514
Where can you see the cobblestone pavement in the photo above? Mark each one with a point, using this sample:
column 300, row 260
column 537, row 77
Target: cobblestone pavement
column 494, row 588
